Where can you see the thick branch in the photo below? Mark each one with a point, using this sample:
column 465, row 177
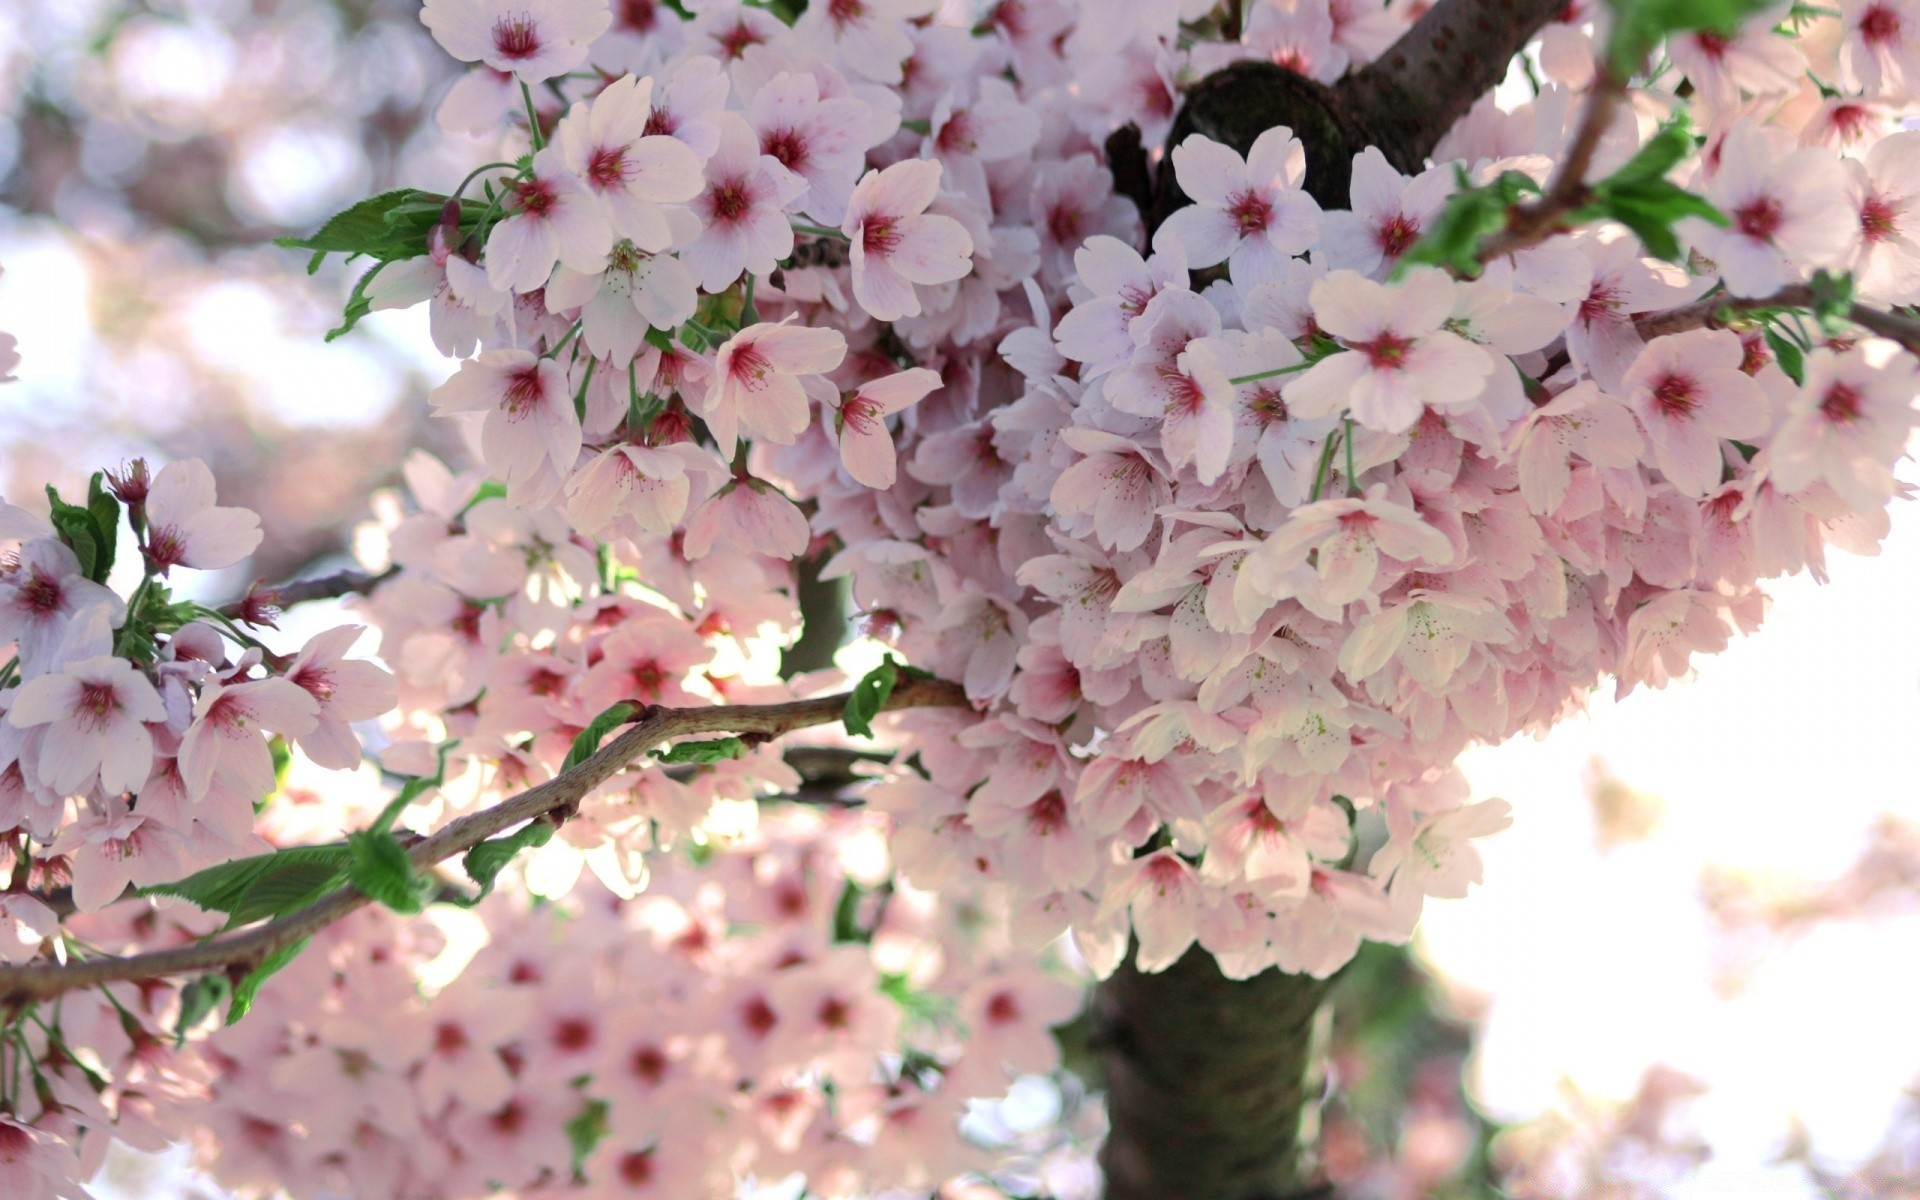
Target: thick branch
column 1892, row 326
column 553, row 799
column 1459, row 51
column 1208, row 1082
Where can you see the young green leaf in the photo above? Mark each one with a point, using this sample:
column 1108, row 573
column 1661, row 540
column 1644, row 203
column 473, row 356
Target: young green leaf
column 1471, row 215
column 712, row 750
column 198, row 997
column 585, row 1130
column 249, row 984
column 380, row 869
column 391, row 226
column 485, row 861
column 869, row 696
column 589, row 739
column 263, row 886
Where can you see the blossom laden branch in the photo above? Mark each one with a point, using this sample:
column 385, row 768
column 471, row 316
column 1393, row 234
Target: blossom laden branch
column 1709, row 312
column 553, row 800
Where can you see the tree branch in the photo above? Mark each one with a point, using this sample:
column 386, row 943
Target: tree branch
column 554, row 799
column 1701, row 313
column 1410, row 96
column 1531, row 224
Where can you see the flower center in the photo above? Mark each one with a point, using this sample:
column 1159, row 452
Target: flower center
column 788, row 146
column 607, row 167
column 40, row 593
column 1878, row 220
column 1252, row 212
column 97, row 702
column 1396, row 235
column 880, row 235
column 1388, row 352
column 1760, row 219
column 525, row 390
column 1675, row 395
column 515, row 36
column 1879, row 24
column 731, row 199
column 536, row 197
column 1842, row 404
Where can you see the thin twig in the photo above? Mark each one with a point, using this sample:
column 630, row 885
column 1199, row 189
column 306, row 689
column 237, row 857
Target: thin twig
column 555, row 799
column 1535, row 222
column 1702, row 313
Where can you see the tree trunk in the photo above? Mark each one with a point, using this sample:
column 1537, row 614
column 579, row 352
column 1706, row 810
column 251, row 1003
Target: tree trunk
column 1212, row 1083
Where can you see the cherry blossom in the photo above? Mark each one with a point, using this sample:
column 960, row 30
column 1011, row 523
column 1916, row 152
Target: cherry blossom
column 552, row 218
column 1786, row 212
column 95, row 712
column 1397, row 359
column 1248, row 212
column 1689, row 394
column 756, row 381
column 605, row 145
column 185, row 527
column 860, row 423
column 895, row 243
column 532, row 39
column 531, row 434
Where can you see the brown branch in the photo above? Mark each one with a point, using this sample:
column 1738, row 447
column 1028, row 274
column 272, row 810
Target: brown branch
column 1458, row 52
column 1703, row 313
column 555, row 800
column 1533, row 223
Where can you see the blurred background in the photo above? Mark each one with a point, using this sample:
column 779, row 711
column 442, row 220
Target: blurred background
column 1693, row 968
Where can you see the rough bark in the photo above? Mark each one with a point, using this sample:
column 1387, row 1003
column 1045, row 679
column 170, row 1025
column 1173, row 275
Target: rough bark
column 1458, row 52
column 1208, row 1082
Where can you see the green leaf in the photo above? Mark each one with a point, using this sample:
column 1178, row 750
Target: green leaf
column 1788, row 355
column 1640, row 25
column 391, row 226
column 198, row 998
column 711, row 751
column 249, row 985
column 588, row 741
column 381, row 870
column 358, row 304
column 266, row 885
column 1832, row 300
column 846, row 914
column 869, row 696
column 485, row 861
column 1650, row 210
column 1471, row 214
column 91, row 531
column 585, row 1130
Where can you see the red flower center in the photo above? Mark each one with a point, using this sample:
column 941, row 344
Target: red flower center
column 1879, row 24
column 1675, row 395
column 607, row 167
column 731, row 200
column 1252, row 212
column 515, row 36
column 1396, row 235
column 1388, row 352
column 1878, row 220
column 1760, row 218
column 1842, row 404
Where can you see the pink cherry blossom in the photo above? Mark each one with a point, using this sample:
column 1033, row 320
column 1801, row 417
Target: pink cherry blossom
column 820, row 137
column 96, row 712
column 756, row 381
column 113, row 849
column 551, row 218
column 227, row 742
column 1389, row 214
column 750, row 515
column 1788, row 213
column 1398, row 358
column 1165, row 899
column 1885, row 189
column 1347, row 538
column 39, row 593
column 605, row 145
column 745, row 227
column 185, row 527
column 895, row 243
column 345, row 691
column 1252, row 212
column 1689, row 394
column 1848, row 424
column 1581, row 420
column 859, row 425
column 1880, row 51
column 531, row 434
column 533, row 39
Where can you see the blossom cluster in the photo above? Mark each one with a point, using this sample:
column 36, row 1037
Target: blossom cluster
column 1236, row 531
column 135, row 742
